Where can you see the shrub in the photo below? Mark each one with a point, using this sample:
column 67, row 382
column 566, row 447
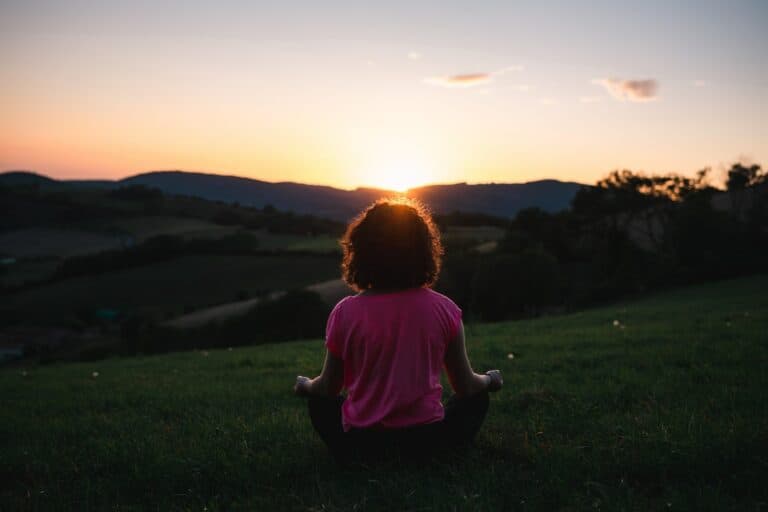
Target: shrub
column 513, row 284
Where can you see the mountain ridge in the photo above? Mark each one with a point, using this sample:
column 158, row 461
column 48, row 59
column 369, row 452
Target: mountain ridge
column 500, row 199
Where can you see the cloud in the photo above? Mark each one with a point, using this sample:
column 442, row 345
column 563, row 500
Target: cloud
column 632, row 90
column 469, row 79
column 465, row 80
column 700, row 83
column 589, row 99
column 414, row 55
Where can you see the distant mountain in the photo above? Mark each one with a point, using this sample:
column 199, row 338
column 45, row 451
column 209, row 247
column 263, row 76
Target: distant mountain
column 317, row 200
column 503, row 200
column 30, row 178
column 26, row 178
column 500, row 199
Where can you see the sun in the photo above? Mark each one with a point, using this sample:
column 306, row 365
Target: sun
column 398, row 175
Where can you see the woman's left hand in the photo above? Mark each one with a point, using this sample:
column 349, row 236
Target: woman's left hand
column 496, row 381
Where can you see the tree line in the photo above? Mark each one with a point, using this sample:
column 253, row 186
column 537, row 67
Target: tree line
column 628, row 234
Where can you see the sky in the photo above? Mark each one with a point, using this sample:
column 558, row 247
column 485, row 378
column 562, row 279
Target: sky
column 390, row 94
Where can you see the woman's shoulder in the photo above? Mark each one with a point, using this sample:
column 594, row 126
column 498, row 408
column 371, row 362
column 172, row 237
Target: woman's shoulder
column 440, row 298
column 397, row 298
column 344, row 302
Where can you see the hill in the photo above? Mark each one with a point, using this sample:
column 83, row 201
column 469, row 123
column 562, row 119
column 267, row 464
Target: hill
column 30, row 178
column 48, row 228
column 310, row 199
column 503, row 200
column 657, row 404
column 26, row 178
column 498, row 199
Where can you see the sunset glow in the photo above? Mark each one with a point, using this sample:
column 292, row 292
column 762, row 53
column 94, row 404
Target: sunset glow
column 350, row 95
column 398, row 176
column 397, row 169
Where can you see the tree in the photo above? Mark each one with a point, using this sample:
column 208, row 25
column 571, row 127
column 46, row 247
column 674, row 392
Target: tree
column 742, row 183
column 741, row 176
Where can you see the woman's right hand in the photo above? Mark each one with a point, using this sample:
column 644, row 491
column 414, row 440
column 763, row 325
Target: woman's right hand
column 496, row 380
column 301, row 388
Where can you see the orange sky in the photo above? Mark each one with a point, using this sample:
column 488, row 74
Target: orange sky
column 323, row 95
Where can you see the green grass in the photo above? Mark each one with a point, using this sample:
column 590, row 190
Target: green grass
column 668, row 413
column 194, row 280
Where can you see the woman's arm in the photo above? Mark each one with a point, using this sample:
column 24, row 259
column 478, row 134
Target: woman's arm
column 464, row 380
column 328, row 383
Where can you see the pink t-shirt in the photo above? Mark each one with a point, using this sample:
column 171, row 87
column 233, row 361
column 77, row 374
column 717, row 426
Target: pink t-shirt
column 393, row 347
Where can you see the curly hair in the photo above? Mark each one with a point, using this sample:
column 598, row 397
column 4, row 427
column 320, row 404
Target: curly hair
column 392, row 244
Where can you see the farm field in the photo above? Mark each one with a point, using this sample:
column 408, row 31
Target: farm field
column 190, row 228
column 654, row 404
column 477, row 233
column 318, row 243
column 55, row 242
column 176, row 284
column 142, row 228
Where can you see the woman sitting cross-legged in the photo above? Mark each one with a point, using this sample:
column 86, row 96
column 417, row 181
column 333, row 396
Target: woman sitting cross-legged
column 388, row 344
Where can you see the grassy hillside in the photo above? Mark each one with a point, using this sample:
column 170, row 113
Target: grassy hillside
column 658, row 404
column 189, row 281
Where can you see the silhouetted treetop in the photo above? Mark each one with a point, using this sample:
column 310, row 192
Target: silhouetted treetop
column 741, row 176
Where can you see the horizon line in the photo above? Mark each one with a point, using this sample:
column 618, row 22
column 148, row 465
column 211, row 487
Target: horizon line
column 223, row 175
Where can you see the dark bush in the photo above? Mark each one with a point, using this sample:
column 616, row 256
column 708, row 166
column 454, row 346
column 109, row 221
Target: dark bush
column 299, row 314
column 515, row 284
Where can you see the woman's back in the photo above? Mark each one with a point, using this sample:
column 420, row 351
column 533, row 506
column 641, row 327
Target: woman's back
column 393, row 347
column 388, row 348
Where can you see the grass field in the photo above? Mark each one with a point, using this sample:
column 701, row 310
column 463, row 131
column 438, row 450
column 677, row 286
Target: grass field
column 655, row 404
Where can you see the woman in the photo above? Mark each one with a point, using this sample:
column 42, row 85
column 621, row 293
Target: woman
column 388, row 344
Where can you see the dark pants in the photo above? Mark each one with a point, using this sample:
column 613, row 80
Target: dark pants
column 463, row 418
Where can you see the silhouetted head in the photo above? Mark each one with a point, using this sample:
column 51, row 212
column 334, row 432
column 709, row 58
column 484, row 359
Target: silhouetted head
column 392, row 244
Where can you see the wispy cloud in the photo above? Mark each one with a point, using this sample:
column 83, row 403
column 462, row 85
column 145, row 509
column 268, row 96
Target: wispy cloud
column 700, row 83
column 464, row 80
column 414, row 55
column 589, row 99
column 632, row 90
